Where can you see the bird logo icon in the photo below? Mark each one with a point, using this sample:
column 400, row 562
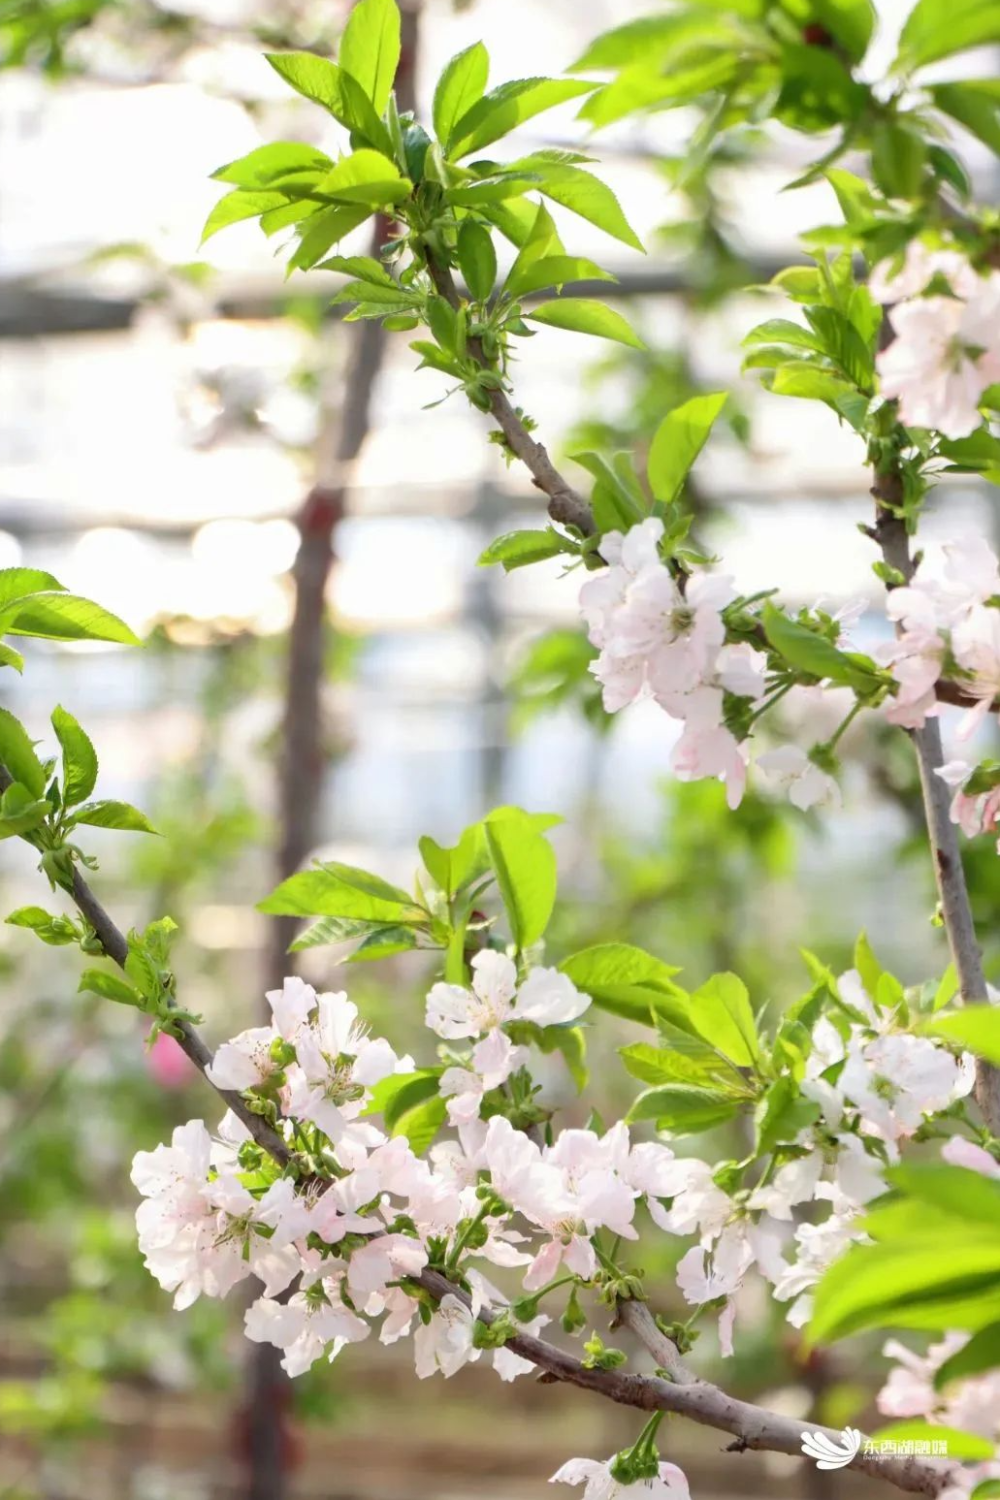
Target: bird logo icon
column 829, row 1453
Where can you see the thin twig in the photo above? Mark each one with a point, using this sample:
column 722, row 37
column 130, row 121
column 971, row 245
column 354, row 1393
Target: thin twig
column 566, row 505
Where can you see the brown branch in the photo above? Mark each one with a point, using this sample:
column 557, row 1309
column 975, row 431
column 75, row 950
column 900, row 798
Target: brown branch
column 566, row 505
column 115, row 945
column 752, row 1427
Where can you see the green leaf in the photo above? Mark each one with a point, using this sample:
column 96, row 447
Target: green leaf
column 867, row 964
column 694, row 1062
column 367, row 177
column 581, row 315
column 313, row 77
column 959, row 1191
column 421, row 1124
column 974, row 103
column 121, row 815
column 64, row 617
column 975, row 1027
column 477, row 259
column 329, row 930
column 813, row 654
column 79, row 758
column 783, row 331
column 460, row 86
column 11, row 658
column 16, row 583
column 940, row 28
column 982, row 1352
column 960, row 1444
column 453, row 868
column 582, row 194
column 525, row 868
column 21, row 811
column 383, row 942
column 362, row 268
column 884, row 1285
column 842, row 342
column 504, row 108
column 850, row 22
column 683, row 1108
column 677, row 442
column 326, row 228
column 552, row 270
column 18, row 754
column 899, row 156
column 267, row 166
column 629, row 982
column 110, row 987
column 336, row 890
column 781, row 1114
column 516, row 549
column 54, row 930
column 396, row 1095
column 369, row 49
column 720, row 1011
column 239, row 205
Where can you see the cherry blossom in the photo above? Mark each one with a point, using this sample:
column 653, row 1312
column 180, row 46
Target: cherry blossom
column 791, row 769
column 312, row 1321
column 600, row 1482
column 945, row 353
column 546, row 997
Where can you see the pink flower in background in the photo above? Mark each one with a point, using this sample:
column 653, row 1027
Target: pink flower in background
column 168, row 1064
column 945, row 353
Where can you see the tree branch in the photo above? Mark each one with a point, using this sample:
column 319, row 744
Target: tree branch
column 115, row 945
column 566, row 505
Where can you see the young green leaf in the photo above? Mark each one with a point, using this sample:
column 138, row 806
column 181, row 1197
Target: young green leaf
column 582, row 194
column 975, row 1027
column 239, row 205
column 326, row 228
column 552, row 271
column 18, row 754
column 940, row 28
column 629, row 982
column 110, row 987
column 17, row 583
column 581, row 315
column 677, row 442
column 267, row 166
column 121, row 815
column 722, row 1014
column 477, row 259
column 525, row 867
column 461, row 85
column 313, row 77
column 79, row 758
column 64, row 617
column 683, row 1108
column 54, row 930
column 336, row 890
column 517, row 549
column 504, row 108
column 370, row 47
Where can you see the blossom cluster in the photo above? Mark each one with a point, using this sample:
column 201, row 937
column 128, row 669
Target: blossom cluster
column 946, row 319
column 946, row 621
column 663, row 637
column 357, row 1231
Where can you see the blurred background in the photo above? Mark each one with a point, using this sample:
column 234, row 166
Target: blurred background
column 261, row 491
